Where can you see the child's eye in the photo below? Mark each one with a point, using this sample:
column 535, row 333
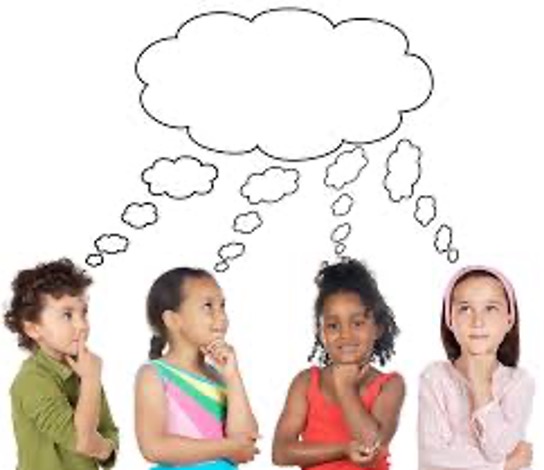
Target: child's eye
column 491, row 308
column 68, row 315
column 463, row 308
column 331, row 326
column 359, row 323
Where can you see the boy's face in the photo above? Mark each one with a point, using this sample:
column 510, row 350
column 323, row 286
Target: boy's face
column 61, row 325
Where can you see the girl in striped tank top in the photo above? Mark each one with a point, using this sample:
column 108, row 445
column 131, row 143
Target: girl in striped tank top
column 192, row 410
column 343, row 415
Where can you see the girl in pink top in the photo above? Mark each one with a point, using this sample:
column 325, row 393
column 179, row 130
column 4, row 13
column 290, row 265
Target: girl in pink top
column 342, row 415
column 474, row 408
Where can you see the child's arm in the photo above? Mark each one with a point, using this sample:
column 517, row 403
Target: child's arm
column 437, row 446
column 44, row 403
column 88, row 367
column 240, row 420
column 157, row 445
column 287, row 448
column 499, row 425
column 380, row 425
column 108, row 430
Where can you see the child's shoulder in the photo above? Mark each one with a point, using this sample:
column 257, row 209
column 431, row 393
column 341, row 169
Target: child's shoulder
column 302, row 379
column 31, row 377
column 518, row 375
column 434, row 370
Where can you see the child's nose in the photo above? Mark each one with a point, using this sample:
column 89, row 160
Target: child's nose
column 478, row 318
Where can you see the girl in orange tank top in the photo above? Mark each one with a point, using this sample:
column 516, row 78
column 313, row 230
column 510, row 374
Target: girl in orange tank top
column 343, row 415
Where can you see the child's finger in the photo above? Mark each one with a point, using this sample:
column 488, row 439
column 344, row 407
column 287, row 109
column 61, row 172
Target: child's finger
column 70, row 362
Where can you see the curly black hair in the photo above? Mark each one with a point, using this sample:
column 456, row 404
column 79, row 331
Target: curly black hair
column 56, row 278
column 350, row 275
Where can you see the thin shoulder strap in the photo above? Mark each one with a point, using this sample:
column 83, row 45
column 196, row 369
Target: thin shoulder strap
column 314, row 381
column 373, row 389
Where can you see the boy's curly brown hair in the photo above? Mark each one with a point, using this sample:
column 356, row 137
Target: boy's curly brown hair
column 56, row 278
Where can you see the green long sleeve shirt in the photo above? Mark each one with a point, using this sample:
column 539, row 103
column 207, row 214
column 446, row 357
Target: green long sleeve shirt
column 44, row 396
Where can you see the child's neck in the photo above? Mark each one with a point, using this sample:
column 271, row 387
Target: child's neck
column 51, row 353
column 186, row 356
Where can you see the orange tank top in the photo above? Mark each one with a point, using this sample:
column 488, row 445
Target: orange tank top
column 325, row 421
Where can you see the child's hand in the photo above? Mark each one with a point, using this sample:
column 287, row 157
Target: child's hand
column 241, row 448
column 346, row 376
column 520, row 457
column 360, row 454
column 87, row 365
column 223, row 357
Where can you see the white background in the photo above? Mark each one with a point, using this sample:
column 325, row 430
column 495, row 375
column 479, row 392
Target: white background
column 74, row 140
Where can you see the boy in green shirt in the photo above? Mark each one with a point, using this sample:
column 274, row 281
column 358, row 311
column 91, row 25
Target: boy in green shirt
column 60, row 413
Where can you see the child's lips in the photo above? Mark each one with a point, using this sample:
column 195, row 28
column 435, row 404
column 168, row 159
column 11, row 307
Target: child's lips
column 478, row 336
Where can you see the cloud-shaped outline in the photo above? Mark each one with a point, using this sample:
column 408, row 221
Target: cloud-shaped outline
column 174, row 161
column 245, row 214
column 251, row 20
column 285, row 170
column 140, row 205
column 107, row 235
column 388, row 171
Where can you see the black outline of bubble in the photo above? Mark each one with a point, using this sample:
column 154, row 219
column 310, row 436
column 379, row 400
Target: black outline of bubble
column 433, row 199
column 102, row 252
column 435, row 243
column 245, row 214
column 452, row 249
column 388, row 172
column 352, row 203
column 336, row 162
column 341, row 240
column 251, row 20
column 222, row 258
column 223, row 262
column 100, row 255
column 297, row 187
column 339, row 248
column 212, row 181
column 140, row 205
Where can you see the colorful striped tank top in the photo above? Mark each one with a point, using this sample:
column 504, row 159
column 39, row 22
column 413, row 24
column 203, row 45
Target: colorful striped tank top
column 196, row 408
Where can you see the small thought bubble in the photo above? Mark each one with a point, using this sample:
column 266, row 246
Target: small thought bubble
column 221, row 266
column 247, row 223
column 346, row 168
column 341, row 232
column 94, row 260
column 339, row 248
column 342, row 205
column 403, row 171
column 180, row 178
column 453, row 255
column 231, row 251
column 139, row 216
column 270, row 186
column 443, row 238
column 425, row 211
column 111, row 243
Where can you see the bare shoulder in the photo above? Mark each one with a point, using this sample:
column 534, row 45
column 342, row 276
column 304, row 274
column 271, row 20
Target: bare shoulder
column 146, row 376
column 395, row 385
column 301, row 381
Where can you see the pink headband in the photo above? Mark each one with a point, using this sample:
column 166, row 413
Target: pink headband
column 495, row 273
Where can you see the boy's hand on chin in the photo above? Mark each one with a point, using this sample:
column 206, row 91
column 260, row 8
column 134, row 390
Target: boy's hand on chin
column 86, row 364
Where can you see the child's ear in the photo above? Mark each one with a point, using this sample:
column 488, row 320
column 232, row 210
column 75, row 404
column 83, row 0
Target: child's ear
column 170, row 319
column 31, row 329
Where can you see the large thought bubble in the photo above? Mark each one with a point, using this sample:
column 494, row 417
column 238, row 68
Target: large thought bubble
column 288, row 82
